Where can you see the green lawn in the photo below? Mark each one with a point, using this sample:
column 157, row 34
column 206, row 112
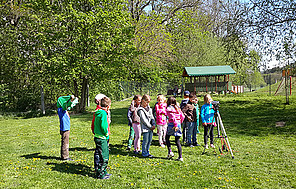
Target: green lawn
column 265, row 155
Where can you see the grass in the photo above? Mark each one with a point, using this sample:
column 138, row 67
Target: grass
column 276, row 89
column 265, row 155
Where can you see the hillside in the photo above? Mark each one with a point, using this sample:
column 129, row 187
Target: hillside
column 275, row 86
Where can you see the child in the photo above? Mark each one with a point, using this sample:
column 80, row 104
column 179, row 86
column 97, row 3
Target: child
column 153, row 109
column 207, row 118
column 176, row 117
column 136, row 122
column 98, row 99
column 195, row 103
column 101, row 136
column 98, row 102
column 130, row 124
column 182, row 105
column 147, row 124
column 185, row 100
column 64, row 104
column 190, row 119
column 161, row 121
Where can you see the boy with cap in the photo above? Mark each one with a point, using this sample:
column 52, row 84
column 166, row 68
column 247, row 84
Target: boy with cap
column 182, row 105
column 185, row 100
column 98, row 99
column 101, row 136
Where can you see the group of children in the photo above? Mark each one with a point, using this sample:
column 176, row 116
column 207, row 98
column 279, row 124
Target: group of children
column 169, row 117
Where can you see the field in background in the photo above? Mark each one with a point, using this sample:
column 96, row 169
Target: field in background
column 278, row 88
column 265, row 155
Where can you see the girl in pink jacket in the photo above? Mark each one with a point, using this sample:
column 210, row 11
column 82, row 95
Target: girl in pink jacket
column 161, row 120
column 176, row 117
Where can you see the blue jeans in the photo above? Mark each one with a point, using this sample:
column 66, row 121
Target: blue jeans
column 147, row 139
column 192, row 130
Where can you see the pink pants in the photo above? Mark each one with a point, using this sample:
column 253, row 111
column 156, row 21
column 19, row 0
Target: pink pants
column 138, row 131
column 161, row 131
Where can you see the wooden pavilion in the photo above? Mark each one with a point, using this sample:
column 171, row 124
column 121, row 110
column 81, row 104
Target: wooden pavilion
column 207, row 78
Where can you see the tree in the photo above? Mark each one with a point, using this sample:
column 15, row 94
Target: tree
column 67, row 44
column 152, row 39
column 273, row 23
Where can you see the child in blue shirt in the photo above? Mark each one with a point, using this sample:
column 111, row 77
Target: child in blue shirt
column 207, row 118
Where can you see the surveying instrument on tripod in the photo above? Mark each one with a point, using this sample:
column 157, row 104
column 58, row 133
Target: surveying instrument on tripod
column 225, row 145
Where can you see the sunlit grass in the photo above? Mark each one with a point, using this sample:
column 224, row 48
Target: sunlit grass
column 265, row 155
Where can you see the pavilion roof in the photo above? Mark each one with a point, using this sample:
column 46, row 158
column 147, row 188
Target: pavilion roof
column 207, row 71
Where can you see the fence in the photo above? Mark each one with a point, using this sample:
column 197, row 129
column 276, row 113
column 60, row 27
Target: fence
column 131, row 88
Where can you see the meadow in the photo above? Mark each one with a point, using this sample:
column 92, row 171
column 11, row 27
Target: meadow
column 265, row 155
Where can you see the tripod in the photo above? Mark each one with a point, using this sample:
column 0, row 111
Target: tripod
column 225, row 145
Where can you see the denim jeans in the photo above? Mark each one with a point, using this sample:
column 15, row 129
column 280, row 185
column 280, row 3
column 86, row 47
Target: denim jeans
column 147, row 139
column 192, row 130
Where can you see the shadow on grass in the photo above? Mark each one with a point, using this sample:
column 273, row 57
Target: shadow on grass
column 120, row 149
column 64, row 166
column 72, row 168
column 257, row 117
column 37, row 155
column 81, row 149
column 119, row 116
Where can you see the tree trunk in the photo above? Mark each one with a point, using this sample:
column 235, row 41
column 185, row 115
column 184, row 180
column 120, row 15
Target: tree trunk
column 83, row 98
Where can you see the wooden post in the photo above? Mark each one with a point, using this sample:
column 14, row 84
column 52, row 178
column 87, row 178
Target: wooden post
column 42, row 100
column 87, row 95
column 199, row 81
column 183, row 87
column 195, row 85
column 207, row 84
column 219, row 82
column 216, row 84
column 225, row 87
column 212, row 87
column 227, row 83
column 290, row 85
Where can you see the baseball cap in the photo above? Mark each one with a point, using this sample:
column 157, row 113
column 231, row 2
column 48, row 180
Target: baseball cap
column 100, row 96
column 186, row 93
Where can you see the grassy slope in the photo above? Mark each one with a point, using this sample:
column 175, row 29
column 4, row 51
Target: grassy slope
column 280, row 90
column 264, row 154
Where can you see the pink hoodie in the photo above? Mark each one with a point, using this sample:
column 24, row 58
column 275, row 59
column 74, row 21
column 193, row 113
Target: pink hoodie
column 161, row 113
column 175, row 115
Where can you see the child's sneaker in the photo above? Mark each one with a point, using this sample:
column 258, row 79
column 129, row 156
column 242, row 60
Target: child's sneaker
column 163, row 146
column 212, row 146
column 170, row 155
column 196, row 144
column 206, row 146
column 105, row 177
column 180, row 159
column 150, row 156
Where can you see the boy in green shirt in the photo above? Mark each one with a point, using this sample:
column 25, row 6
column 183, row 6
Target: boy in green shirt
column 64, row 104
column 100, row 130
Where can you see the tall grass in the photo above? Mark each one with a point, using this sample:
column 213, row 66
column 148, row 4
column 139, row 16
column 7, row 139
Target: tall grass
column 264, row 154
